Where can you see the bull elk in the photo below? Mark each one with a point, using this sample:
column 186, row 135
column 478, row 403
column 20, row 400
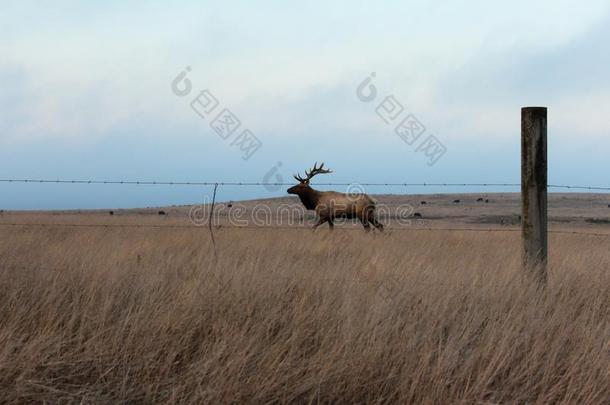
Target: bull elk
column 331, row 204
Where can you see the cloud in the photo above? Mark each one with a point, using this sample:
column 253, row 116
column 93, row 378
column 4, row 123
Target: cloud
column 82, row 72
column 484, row 95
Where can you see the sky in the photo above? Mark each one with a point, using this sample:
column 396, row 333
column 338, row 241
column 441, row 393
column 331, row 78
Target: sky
column 118, row 90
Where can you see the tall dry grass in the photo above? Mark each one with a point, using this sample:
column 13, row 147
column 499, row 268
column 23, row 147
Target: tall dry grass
column 147, row 315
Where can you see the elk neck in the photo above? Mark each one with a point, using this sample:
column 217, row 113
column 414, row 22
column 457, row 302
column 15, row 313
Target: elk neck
column 309, row 197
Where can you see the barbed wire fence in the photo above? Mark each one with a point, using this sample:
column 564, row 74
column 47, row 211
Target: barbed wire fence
column 234, row 183
column 217, row 184
column 288, row 228
column 387, row 287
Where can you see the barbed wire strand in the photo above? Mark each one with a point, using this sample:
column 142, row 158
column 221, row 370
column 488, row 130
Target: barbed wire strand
column 226, row 183
column 290, row 228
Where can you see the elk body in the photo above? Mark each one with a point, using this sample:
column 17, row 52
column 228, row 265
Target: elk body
column 331, row 204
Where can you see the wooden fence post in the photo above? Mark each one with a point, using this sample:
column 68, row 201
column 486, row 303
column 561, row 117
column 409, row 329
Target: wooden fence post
column 534, row 191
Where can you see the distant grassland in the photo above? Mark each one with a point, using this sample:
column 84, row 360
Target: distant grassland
column 147, row 315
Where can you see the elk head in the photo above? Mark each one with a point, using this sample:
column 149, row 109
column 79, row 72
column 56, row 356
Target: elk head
column 303, row 185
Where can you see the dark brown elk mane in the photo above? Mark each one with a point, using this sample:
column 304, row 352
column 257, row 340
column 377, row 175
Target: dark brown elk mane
column 309, row 200
column 331, row 204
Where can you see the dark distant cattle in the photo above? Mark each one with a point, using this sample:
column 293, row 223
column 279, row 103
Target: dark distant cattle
column 479, row 199
column 418, row 215
column 456, row 201
column 162, row 213
column 111, row 212
column 486, row 201
column 423, row 203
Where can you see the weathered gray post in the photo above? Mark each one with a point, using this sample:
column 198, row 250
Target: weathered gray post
column 534, row 191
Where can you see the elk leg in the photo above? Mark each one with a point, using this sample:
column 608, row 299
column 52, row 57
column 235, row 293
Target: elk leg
column 320, row 222
column 365, row 223
column 331, row 225
column 374, row 221
column 378, row 225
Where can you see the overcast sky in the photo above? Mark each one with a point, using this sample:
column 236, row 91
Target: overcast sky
column 87, row 93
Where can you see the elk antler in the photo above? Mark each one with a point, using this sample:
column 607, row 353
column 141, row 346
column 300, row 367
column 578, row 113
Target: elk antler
column 309, row 174
column 317, row 170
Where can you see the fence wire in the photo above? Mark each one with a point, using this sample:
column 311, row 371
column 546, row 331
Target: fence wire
column 233, row 183
column 288, row 228
column 216, row 184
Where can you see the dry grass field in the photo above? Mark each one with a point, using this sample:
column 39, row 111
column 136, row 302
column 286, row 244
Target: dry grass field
column 413, row 315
